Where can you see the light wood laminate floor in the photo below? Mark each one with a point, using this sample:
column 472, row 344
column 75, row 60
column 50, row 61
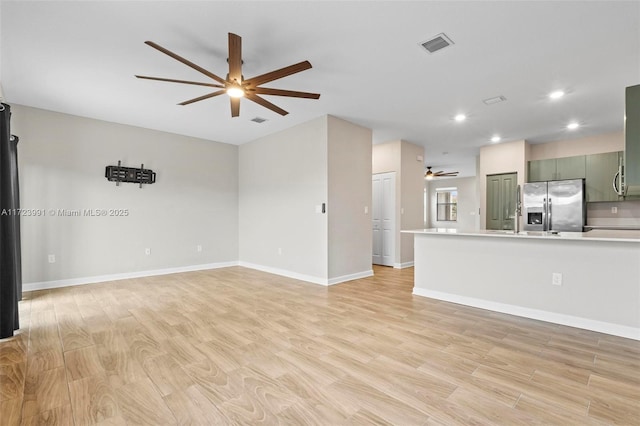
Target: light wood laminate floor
column 238, row 346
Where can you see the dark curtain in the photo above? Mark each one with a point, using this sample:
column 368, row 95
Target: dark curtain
column 10, row 267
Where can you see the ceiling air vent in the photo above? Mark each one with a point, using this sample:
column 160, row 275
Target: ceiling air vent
column 494, row 100
column 436, row 43
column 258, row 120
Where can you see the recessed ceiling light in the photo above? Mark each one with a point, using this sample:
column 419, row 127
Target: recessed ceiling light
column 495, row 139
column 460, row 117
column 573, row 125
column 556, row 95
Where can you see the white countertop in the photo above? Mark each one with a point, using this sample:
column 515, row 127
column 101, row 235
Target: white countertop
column 594, row 235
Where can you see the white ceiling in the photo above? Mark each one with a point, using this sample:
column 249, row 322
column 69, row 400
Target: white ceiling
column 80, row 58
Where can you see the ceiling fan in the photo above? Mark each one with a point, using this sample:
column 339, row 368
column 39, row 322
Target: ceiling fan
column 235, row 85
column 430, row 175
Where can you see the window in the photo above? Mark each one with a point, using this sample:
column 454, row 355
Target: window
column 447, row 204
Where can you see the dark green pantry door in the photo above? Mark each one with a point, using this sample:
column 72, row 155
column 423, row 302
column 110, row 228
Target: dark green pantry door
column 501, row 200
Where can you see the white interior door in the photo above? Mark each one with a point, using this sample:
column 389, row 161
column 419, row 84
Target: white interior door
column 383, row 214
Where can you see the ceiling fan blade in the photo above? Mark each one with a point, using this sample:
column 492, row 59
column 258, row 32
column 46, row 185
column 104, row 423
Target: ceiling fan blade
column 291, row 93
column 282, row 72
column 265, row 103
column 171, row 80
column 235, row 57
column 203, row 97
column 437, row 173
column 185, row 61
column 235, row 107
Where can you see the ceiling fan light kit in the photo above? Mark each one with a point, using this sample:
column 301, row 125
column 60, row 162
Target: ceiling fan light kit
column 235, row 85
column 429, row 175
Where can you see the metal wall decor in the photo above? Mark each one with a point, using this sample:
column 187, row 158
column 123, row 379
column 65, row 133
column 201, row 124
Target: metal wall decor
column 119, row 174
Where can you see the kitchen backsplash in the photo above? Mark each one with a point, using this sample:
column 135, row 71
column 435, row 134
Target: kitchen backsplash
column 601, row 214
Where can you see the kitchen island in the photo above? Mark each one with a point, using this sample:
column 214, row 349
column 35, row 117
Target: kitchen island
column 588, row 280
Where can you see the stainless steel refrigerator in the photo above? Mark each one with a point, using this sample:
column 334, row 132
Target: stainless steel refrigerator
column 557, row 205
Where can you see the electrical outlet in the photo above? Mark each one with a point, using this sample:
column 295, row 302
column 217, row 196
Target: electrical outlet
column 614, row 210
column 556, row 278
column 147, row 251
column 52, row 258
column 279, row 250
column 366, row 209
column 198, row 248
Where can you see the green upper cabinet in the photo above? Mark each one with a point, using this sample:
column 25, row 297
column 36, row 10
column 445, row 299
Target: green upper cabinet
column 542, row 170
column 557, row 169
column 601, row 168
column 632, row 140
column 571, row 167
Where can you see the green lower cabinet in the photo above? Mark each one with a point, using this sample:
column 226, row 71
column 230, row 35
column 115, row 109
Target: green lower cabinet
column 600, row 171
column 501, row 201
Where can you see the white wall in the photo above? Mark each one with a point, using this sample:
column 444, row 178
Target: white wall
column 468, row 205
column 62, row 161
column 283, row 177
column 349, row 178
column 513, row 275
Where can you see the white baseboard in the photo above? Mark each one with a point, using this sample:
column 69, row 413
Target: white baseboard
column 553, row 317
column 308, row 278
column 42, row 285
column 285, row 273
column 403, row 265
column 350, row 277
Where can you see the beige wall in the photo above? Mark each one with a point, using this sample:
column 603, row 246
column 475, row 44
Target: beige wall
column 283, row 179
column 349, row 165
column 513, row 157
column 501, row 158
column 402, row 157
column 386, row 157
column 468, row 205
column 62, row 160
column 411, row 196
column 609, row 142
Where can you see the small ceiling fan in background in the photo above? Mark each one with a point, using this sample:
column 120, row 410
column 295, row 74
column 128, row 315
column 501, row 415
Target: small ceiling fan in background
column 430, row 175
column 235, row 84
